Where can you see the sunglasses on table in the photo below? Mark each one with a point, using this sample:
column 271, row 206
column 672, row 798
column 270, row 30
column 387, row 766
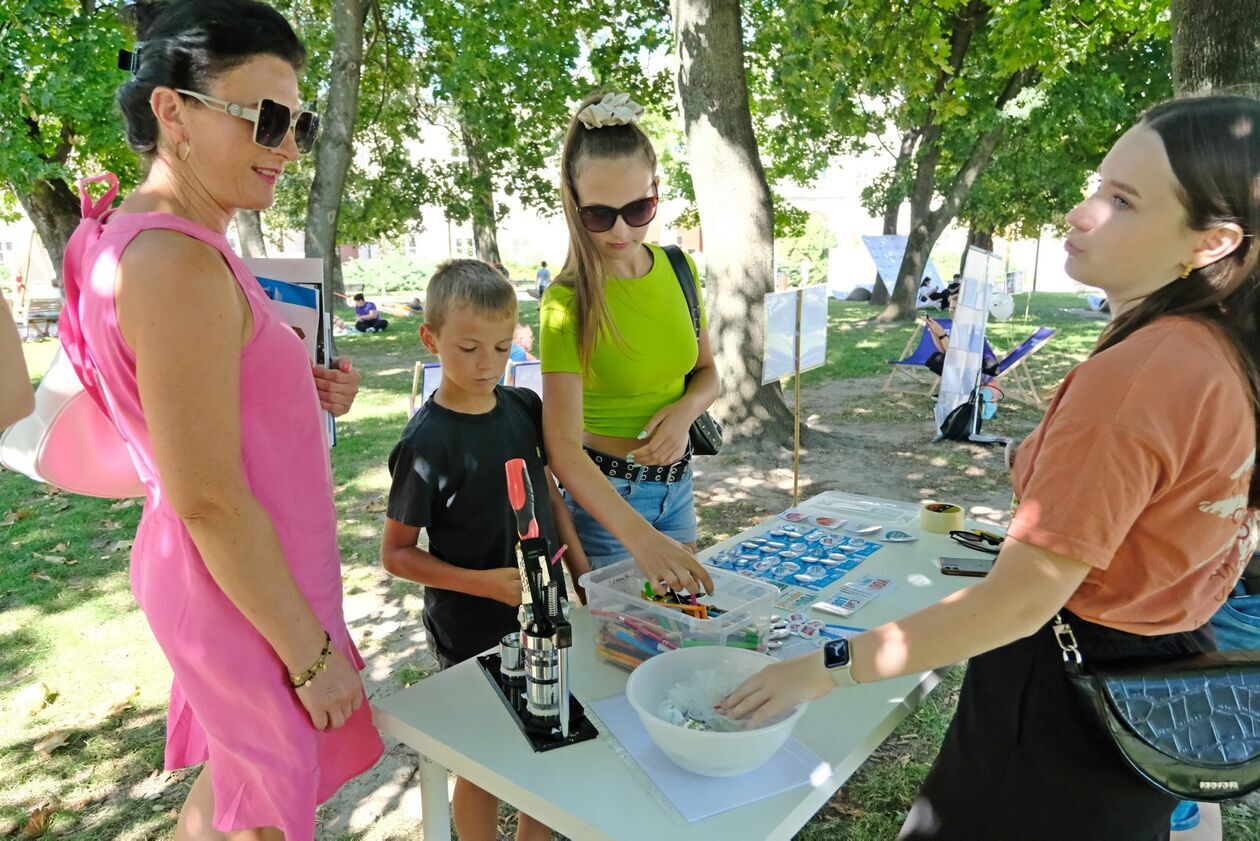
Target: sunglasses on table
column 598, row 218
column 978, row 539
column 272, row 120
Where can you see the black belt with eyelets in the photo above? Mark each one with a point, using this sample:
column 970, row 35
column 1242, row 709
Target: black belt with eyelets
column 617, row 467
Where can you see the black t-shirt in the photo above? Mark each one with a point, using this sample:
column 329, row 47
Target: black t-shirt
column 449, row 479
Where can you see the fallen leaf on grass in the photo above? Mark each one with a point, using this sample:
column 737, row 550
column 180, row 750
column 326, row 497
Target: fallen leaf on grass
column 123, row 503
column 60, row 547
column 60, row 560
column 39, row 576
column 52, row 741
column 38, row 822
column 83, row 801
column 376, row 506
column 16, row 516
column 119, row 704
column 32, row 699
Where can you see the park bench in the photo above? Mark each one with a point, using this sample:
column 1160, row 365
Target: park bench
column 39, row 314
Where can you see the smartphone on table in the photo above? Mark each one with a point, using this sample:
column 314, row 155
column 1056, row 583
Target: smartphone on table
column 976, row 567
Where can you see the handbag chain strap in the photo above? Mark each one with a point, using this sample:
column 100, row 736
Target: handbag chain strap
column 1066, row 639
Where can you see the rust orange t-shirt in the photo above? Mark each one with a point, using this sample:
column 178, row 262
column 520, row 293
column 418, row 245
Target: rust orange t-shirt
column 1141, row 469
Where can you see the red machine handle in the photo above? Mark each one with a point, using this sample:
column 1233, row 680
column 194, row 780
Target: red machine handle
column 521, row 496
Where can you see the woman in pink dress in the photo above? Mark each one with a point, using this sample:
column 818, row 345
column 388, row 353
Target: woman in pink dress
column 235, row 563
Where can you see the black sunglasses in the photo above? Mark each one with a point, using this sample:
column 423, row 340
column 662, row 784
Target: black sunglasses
column 978, row 539
column 598, row 218
column 272, row 120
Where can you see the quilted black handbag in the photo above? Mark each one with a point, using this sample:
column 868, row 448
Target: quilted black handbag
column 706, row 432
column 1189, row 727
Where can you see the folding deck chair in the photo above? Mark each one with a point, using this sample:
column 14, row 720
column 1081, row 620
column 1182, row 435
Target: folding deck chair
column 911, row 361
column 1018, row 380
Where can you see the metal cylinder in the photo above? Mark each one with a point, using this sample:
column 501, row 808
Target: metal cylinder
column 542, row 676
column 511, row 661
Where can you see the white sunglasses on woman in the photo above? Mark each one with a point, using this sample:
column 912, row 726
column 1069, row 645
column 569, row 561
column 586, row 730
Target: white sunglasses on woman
column 272, row 120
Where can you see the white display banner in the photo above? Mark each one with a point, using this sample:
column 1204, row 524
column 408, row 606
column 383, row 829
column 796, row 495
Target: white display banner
column 779, row 358
column 965, row 354
column 887, row 253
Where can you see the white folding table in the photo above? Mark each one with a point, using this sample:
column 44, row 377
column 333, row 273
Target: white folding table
column 456, row 722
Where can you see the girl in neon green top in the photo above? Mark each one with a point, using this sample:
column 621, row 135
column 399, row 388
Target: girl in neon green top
column 616, row 344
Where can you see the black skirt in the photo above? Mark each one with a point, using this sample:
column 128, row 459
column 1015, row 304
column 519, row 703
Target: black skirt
column 1021, row 759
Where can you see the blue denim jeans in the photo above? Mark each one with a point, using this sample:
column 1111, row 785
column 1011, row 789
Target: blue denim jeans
column 669, row 507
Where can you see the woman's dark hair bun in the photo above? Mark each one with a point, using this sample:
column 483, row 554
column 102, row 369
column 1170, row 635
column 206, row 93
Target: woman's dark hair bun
column 188, row 44
column 140, row 14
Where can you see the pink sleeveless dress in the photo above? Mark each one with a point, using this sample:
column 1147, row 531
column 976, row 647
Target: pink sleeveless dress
column 230, row 699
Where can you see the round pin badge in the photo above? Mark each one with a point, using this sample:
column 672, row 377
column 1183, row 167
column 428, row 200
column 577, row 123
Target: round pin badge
column 863, row 528
column 897, row 536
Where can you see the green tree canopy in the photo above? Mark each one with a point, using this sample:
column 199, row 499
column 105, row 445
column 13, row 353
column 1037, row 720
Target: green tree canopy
column 58, row 121
column 954, row 79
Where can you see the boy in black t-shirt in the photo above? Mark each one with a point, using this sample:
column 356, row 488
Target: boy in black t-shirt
column 449, row 479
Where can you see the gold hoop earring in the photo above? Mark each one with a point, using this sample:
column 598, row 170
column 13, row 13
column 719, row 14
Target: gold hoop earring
column 187, row 150
column 1186, row 270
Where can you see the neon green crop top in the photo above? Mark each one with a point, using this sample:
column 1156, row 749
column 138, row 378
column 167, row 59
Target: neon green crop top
column 626, row 385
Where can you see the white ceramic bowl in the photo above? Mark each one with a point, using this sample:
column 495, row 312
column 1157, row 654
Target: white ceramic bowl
column 711, row 754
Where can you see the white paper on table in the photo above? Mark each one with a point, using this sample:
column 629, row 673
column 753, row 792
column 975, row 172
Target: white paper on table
column 697, row 797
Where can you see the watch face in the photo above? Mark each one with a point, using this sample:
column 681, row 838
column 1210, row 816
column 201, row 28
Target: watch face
column 836, row 654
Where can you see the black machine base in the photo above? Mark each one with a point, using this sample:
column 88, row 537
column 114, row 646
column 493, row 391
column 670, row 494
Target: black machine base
column 542, row 736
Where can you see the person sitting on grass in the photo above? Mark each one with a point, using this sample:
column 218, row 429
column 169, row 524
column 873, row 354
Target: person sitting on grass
column 449, row 480
column 367, row 319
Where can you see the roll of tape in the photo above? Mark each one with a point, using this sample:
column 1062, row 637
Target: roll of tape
column 941, row 517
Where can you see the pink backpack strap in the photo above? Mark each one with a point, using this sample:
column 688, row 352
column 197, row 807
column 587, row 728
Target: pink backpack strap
column 69, row 329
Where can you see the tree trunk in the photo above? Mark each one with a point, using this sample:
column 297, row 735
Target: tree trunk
column 485, row 226
column 736, row 212
column 249, row 231
column 927, row 224
column 892, row 208
column 54, row 211
column 335, row 147
column 977, row 238
column 1215, row 46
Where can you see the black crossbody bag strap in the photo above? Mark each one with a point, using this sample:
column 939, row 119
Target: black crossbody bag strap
column 706, row 432
column 682, row 270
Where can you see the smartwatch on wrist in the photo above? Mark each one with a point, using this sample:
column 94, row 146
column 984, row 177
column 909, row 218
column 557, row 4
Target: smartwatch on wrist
column 838, row 658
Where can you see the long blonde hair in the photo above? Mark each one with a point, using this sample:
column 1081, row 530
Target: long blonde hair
column 584, row 270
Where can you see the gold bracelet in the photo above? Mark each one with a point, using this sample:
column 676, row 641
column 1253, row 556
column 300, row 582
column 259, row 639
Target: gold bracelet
column 304, row 679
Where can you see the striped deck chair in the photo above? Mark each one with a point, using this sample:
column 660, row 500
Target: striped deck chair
column 1018, row 381
column 913, row 362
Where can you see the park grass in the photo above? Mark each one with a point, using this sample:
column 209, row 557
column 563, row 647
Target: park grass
column 74, row 626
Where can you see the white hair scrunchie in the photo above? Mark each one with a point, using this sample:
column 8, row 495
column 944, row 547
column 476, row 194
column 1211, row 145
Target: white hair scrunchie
column 615, row 109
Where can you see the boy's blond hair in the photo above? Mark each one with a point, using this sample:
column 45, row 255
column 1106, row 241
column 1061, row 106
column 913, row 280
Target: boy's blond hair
column 467, row 283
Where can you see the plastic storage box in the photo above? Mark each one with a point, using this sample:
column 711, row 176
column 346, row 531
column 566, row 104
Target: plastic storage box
column 629, row 628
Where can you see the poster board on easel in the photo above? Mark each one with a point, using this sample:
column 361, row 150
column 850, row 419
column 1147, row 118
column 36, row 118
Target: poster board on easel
column 296, row 286
column 796, row 342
